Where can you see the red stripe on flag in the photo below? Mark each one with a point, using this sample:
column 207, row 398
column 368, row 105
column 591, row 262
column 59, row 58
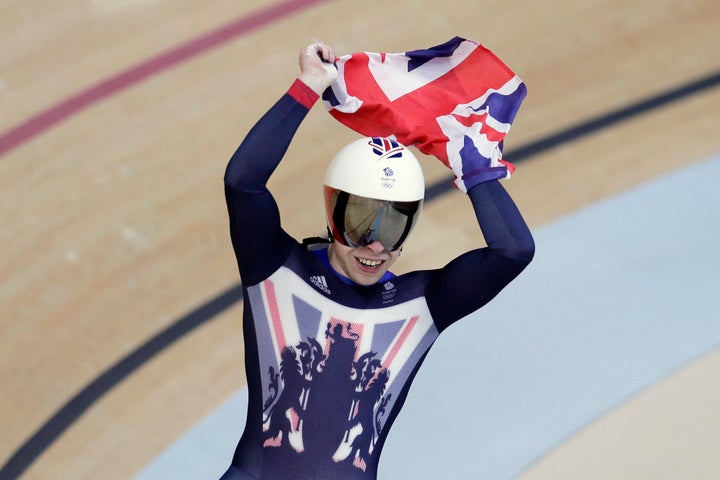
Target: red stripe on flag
column 492, row 134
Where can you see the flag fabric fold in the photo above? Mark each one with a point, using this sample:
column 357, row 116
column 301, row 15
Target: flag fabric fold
column 455, row 101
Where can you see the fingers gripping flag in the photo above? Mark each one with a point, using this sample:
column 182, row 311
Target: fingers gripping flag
column 455, row 101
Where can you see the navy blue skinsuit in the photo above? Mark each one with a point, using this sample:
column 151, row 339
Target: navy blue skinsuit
column 329, row 363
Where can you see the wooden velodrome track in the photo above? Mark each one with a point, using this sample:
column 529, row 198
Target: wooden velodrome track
column 120, row 323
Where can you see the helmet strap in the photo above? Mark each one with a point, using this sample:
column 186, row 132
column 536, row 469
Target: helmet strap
column 310, row 241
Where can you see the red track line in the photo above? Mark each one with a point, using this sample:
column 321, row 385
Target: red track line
column 55, row 114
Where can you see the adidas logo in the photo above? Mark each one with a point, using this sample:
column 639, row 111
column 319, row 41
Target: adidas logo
column 320, row 282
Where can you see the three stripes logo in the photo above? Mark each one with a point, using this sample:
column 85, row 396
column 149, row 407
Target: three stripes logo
column 320, row 282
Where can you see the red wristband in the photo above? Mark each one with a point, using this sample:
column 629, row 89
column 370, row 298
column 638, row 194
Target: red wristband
column 303, row 94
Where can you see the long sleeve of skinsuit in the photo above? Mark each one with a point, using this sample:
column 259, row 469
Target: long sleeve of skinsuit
column 329, row 363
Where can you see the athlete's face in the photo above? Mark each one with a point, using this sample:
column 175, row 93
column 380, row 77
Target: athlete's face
column 363, row 265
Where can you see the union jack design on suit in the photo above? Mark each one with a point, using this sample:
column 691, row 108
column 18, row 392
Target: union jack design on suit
column 332, row 372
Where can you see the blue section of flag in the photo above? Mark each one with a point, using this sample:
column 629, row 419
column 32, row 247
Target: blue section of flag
column 503, row 108
column 418, row 58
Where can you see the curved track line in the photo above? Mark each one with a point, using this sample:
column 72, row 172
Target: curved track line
column 56, row 114
column 76, row 406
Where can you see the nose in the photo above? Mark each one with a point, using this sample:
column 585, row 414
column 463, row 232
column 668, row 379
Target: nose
column 376, row 246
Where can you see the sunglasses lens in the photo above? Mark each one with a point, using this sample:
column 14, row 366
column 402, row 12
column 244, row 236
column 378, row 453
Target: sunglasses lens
column 358, row 221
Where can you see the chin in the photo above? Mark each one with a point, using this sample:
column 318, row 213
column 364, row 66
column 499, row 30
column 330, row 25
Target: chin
column 366, row 279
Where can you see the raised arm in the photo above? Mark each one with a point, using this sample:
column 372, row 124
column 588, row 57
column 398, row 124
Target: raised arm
column 258, row 239
column 476, row 277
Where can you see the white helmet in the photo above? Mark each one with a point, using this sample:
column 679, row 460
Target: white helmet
column 374, row 190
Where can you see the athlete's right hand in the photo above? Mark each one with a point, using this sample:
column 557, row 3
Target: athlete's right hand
column 317, row 69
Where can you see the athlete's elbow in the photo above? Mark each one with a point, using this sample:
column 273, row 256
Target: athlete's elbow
column 236, row 179
column 233, row 175
column 237, row 175
column 520, row 254
column 526, row 250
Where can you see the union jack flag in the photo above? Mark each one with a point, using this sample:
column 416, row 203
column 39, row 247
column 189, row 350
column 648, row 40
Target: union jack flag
column 455, row 101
